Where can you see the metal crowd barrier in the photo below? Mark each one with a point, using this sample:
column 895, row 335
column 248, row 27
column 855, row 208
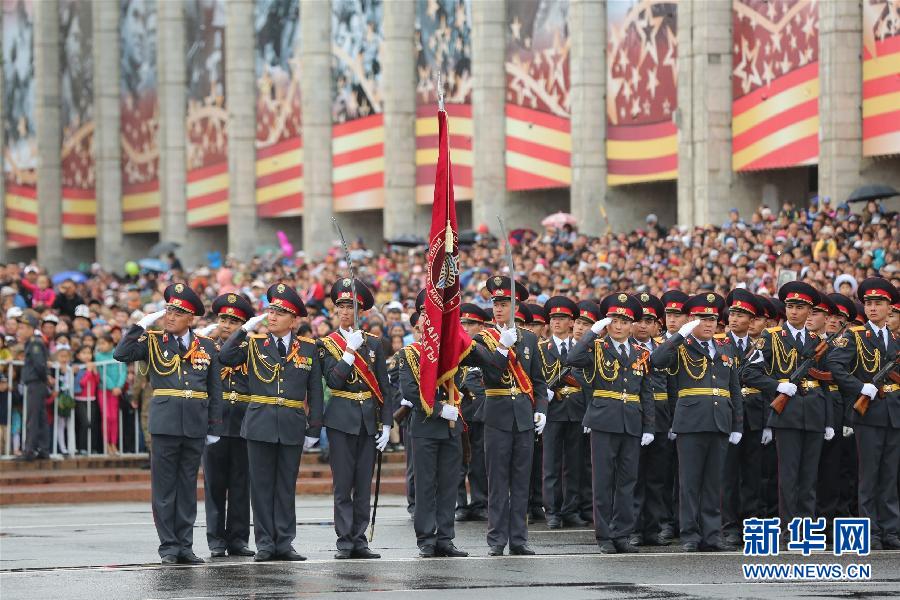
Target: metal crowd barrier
column 62, row 438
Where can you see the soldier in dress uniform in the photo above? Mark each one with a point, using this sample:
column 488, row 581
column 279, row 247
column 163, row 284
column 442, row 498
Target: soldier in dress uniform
column 514, row 408
column 588, row 314
column 186, row 411
column 539, row 320
column 708, row 415
column 620, row 415
column 35, row 375
column 284, row 416
column 473, row 506
column 356, row 373
column 854, row 360
column 526, row 319
column 438, row 456
column 652, row 495
column 807, row 417
column 742, row 483
column 225, row 468
column 562, row 438
column 673, row 305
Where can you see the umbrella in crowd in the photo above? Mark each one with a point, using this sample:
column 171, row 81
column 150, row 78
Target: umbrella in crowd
column 558, row 220
column 161, row 248
column 153, row 264
column 407, row 241
column 76, row 276
column 872, row 192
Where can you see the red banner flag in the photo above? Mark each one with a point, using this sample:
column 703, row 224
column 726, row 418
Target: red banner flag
column 444, row 343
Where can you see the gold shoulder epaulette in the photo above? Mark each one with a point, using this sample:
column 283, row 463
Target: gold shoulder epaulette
column 303, row 338
column 259, row 336
column 154, row 331
column 659, row 339
column 775, row 329
column 858, row 328
column 720, row 336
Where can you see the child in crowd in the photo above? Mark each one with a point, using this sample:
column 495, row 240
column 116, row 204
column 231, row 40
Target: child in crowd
column 61, row 398
column 87, row 413
column 112, row 380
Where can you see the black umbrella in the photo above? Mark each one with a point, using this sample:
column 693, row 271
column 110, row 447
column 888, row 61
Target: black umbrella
column 161, row 248
column 872, row 192
column 407, row 241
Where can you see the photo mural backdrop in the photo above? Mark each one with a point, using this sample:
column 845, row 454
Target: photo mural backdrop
column 76, row 91
column 538, row 139
column 881, row 78
column 207, row 115
column 139, row 116
column 444, row 45
column 19, row 134
column 357, row 134
column 641, row 91
column 775, row 84
column 279, row 143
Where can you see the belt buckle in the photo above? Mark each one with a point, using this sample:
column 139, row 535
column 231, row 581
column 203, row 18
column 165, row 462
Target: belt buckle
column 514, row 391
column 745, row 391
column 624, row 396
column 715, row 391
column 360, row 396
column 188, row 393
column 279, row 401
column 232, row 395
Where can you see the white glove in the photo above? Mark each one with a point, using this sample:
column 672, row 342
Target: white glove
column 540, row 421
column 508, row 337
column 253, row 322
column 734, row 438
column 406, row 403
column 672, row 435
column 688, row 327
column 382, row 440
column 586, row 430
column 647, row 439
column 600, row 325
column 150, row 319
column 829, row 433
column 211, row 439
column 869, row 390
column 449, row 412
column 787, row 388
column 766, row 436
column 349, row 357
column 848, row 431
column 550, row 395
column 207, row 330
column 309, row 442
column 355, row 340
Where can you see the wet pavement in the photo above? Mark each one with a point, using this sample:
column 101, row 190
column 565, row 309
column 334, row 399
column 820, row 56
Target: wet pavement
column 109, row 551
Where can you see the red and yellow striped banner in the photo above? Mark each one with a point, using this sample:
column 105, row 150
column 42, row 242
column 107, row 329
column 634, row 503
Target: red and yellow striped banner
column 140, row 207
column 279, row 179
column 641, row 153
column 777, row 126
column 881, row 98
column 460, row 125
column 207, row 196
column 538, row 149
column 79, row 213
column 357, row 164
column 21, row 216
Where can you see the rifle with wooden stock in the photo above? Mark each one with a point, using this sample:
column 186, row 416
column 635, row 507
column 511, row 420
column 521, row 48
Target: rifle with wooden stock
column 887, row 372
column 805, row 367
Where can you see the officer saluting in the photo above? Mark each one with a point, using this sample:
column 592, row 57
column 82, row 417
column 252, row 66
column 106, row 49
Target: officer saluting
column 225, row 471
column 356, row 373
column 854, row 361
column 708, row 415
column 186, row 410
column 620, row 415
column 515, row 406
column 285, row 381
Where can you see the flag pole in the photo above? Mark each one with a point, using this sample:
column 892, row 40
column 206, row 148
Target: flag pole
column 448, row 231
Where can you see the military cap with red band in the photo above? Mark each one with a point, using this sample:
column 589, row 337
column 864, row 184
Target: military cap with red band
column 843, row 305
column 744, row 301
column 878, row 288
column 799, row 292
column 182, row 297
column 233, row 305
column 538, row 313
column 589, row 311
column 561, row 306
column 651, row 305
column 523, row 313
column 342, row 292
column 705, row 305
column 472, row 313
column 674, row 300
column 621, row 305
column 499, row 287
column 286, row 298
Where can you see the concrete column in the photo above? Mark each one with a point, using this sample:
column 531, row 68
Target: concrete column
column 315, row 89
column 707, row 187
column 840, row 98
column 49, row 134
column 107, row 145
column 398, row 86
column 240, row 78
column 488, row 112
column 172, row 114
column 587, row 69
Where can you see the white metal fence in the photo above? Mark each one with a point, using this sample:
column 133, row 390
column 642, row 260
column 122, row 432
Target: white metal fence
column 63, row 439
